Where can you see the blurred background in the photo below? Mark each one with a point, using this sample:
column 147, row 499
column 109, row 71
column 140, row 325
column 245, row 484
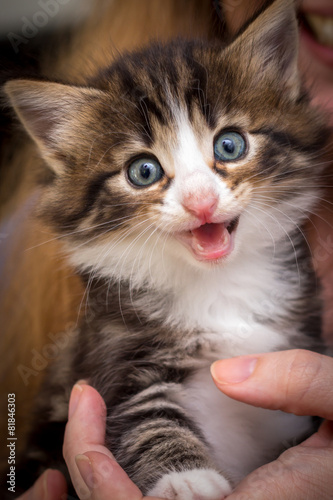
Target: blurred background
column 44, row 15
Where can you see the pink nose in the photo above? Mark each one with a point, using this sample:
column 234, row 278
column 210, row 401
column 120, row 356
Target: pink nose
column 203, row 208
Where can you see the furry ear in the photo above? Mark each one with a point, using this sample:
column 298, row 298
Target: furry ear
column 270, row 45
column 50, row 112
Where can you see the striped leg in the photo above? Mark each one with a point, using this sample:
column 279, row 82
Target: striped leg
column 162, row 450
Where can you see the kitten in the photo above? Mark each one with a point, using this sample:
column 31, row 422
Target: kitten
column 181, row 180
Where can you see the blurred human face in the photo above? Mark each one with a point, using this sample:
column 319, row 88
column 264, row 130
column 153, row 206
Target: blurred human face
column 316, row 42
column 316, row 49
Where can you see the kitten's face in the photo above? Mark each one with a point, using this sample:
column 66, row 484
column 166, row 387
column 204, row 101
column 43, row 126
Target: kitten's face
column 187, row 151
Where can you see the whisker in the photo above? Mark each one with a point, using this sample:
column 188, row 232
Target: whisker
column 123, row 257
column 265, row 227
column 82, row 230
column 137, row 259
column 276, row 174
column 104, row 252
column 307, row 213
column 290, row 220
column 286, row 233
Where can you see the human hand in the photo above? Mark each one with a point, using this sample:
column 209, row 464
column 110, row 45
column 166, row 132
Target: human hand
column 51, row 485
column 94, row 472
column 299, row 382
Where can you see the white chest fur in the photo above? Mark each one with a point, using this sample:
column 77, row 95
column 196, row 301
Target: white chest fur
column 227, row 309
column 232, row 305
column 241, row 437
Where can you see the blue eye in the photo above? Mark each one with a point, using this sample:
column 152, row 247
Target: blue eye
column 229, row 146
column 144, row 172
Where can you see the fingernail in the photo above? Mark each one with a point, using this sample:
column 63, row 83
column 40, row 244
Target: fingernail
column 74, row 399
column 82, row 382
column 50, row 482
column 84, row 465
column 233, row 371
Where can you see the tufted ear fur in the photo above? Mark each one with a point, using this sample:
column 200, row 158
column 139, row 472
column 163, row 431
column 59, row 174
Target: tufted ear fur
column 268, row 45
column 52, row 114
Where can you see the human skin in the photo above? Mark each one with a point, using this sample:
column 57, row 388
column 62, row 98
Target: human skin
column 316, row 61
column 296, row 381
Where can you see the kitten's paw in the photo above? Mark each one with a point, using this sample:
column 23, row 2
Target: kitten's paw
column 197, row 484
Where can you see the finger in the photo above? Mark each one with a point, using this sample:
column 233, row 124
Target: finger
column 297, row 381
column 86, row 421
column 323, row 438
column 106, row 479
column 51, row 485
column 300, row 473
column 85, row 431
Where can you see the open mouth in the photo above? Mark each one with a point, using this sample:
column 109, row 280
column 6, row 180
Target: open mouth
column 317, row 29
column 320, row 27
column 210, row 242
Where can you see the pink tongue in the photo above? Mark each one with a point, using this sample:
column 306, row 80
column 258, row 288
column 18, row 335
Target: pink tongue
column 211, row 237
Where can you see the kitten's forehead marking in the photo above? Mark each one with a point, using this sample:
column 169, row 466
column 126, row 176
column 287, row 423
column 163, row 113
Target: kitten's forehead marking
column 192, row 162
column 188, row 155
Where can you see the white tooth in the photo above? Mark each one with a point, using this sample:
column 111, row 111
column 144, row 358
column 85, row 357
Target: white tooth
column 322, row 28
column 225, row 238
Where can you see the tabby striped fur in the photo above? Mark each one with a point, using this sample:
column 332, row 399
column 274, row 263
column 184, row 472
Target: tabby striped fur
column 155, row 315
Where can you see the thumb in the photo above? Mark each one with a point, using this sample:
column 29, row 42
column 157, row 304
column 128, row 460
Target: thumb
column 296, row 381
